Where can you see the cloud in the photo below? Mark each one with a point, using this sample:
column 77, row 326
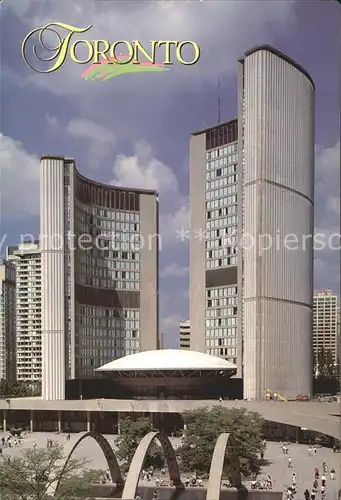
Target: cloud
column 173, row 270
column 98, row 139
column 143, row 170
column 222, row 29
column 327, row 216
column 19, row 180
column 327, row 184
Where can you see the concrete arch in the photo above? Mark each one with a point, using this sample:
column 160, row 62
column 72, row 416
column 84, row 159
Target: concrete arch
column 224, row 442
column 107, row 451
column 134, row 472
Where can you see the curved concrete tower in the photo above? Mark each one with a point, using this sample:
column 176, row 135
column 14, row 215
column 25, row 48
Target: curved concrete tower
column 276, row 120
column 99, row 256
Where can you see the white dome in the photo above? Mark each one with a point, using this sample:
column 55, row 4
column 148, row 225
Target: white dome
column 168, row 359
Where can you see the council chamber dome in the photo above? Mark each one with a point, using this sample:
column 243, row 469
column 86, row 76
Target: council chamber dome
column 169, row 374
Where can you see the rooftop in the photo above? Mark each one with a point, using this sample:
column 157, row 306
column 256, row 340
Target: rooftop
column 168, row 359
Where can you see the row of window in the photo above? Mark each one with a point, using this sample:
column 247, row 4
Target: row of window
column 118, row 341
column 220, row 322
column 221, row 172
column 221, row 342
column 218, row 212
column 223, row 181
column 221, row 162
column 222, row 309
column 230, row 332
column 222, row 193
column 108, row 353
column 218, row 223
column 227, row 150
column 227, row 242
column 117, row 226
column 217, row 323
column 102, row 312
column 218, row 292
column 103, row 283
column 224, row 262
column 121, row 323
column 83, row 212
column 220, row 253
column 110, row 273
column 128, row 260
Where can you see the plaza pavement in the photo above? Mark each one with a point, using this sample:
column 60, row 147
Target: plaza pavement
column 276, row 462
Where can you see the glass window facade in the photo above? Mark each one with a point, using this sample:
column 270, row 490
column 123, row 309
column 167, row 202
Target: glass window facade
column 221, row 221
column 221, row 207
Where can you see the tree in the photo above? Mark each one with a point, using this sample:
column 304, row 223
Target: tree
column 132, row 430
column 21, row 390
column 31, row 476
column 203, row 429
column 324, row 364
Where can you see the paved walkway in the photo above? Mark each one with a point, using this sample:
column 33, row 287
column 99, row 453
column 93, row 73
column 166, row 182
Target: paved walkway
column 303, row 465
column 277, row 466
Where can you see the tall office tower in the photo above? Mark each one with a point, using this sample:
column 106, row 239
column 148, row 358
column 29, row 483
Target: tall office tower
column 100, row 273
column 26, row 258
column 251, row 272
column 7, row 323
column 213, row 245
column 185, row 334
column 325, row 332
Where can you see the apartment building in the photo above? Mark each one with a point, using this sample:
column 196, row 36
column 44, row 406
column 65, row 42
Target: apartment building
column 26, row 258
column 7, row 323
column 185, row 334
column 325, row 322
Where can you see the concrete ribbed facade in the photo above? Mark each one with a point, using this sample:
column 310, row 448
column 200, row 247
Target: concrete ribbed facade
column 277, row 218
column 99, row 254
column 52, row 277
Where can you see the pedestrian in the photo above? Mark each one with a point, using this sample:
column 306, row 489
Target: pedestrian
column 316, row 473
column 155, row 497
column 293, row 479
column 289, row 462
column 315, row 485
column 137, row 497
column 307, row 494
column 312, row 495
column 323, row 480
column 324, row 467
column 332, row 473
column 314, row 451
column 309, row 453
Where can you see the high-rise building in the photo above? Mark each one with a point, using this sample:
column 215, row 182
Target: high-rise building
column 26, row 258
column 325, row 332
column 7, row 323
column 185, row 334
column 251, row 256
column 99, row 247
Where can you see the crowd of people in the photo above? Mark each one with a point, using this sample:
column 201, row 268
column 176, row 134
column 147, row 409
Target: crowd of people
column 319, row 481
column 262, row 484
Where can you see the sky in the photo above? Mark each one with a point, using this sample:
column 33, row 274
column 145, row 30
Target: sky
column 134, row 130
